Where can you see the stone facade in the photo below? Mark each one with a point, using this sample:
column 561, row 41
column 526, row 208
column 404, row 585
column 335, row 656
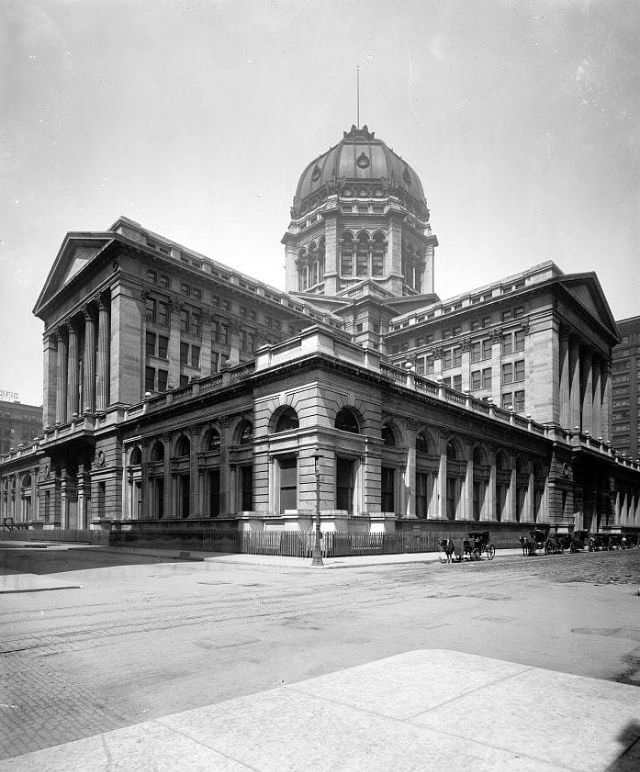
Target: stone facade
column 177, row 389
column 625, row 380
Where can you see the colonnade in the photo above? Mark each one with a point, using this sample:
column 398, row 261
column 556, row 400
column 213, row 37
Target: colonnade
column 77, row 364
column 585, row 387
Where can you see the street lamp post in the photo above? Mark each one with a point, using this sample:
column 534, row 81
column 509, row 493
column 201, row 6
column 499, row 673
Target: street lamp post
column 317, row 550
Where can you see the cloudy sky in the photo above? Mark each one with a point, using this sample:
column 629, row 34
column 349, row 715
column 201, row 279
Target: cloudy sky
column 196, row 118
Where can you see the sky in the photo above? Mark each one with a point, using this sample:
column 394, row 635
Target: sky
column 196, row 119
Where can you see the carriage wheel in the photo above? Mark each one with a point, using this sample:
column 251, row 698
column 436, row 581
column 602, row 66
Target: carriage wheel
column 476, row 553
column 491, row 552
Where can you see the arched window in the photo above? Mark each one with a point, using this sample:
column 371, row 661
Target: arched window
column 26, row 481
column 502, row 462
column 303, row 270
column 452, row 453
column 347, row 421
column 245, row 433
column 183, row 447
column 212, row 441
column 346, row 254
column 362, row 255
column 287, row 419
column 157, row 451
column 422, row 442
column 479, row 457
column 136, row 457
column 378, row 249
column 388, row 437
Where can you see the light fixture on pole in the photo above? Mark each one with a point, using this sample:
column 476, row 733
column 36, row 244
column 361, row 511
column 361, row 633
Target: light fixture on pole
column 317, row 550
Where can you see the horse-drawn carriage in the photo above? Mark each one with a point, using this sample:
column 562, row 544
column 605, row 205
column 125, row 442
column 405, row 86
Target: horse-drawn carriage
column 477, row 543
column 541, row 539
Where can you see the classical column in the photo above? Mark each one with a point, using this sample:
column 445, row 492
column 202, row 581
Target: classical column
column 61, row 378
column 467, row 508
column 195, row 505
column 88, row 402
column 596, row 426
column 574, row 396
column 49, row 377
column 512, row 501
column 587, row 393
column 409, row 478
column 442, row 477
column 102, row 358
column 72, row 373
column 605, row 413
column 564, row 382
column 531, row 494
column 490, row 505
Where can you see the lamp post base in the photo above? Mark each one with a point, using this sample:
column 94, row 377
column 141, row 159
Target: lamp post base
column 316, row 555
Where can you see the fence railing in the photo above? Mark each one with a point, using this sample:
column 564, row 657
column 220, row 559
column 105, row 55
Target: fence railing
column 71, row 535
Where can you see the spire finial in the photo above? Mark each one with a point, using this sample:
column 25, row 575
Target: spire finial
column 358, row 95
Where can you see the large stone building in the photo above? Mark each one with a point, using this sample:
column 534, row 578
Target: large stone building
column 20, row 424
column 626, row 396
column 176, row 387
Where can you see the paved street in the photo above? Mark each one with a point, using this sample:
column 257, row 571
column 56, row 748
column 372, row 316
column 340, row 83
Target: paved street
column 145, row 637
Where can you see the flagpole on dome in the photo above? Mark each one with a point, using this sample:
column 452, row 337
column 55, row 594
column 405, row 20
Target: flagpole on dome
column 358, row 96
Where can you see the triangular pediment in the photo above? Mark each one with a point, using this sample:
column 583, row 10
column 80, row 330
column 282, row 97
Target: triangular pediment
column 76, row 252
column 586, row 289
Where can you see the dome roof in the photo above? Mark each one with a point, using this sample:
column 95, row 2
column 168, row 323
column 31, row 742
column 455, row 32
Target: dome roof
column 359, row 165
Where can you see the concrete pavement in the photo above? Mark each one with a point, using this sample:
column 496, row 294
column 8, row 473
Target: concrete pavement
column 421, row 710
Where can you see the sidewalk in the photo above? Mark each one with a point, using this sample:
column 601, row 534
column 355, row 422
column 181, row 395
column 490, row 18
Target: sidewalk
column 421, row 710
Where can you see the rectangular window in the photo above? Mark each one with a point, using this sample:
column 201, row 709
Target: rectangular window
column 246, row 488
column 150, row 347
column 162, row 380
column 214, row 492
column 288, row 482
column 377, row 264
column 196, row 292
column 346, row 264
column 152, row 276
column 163, row 280
column 447, row 381
column 185, row 289
column 476, row 351
column 387, row 498
column 215, row 361
column 457, row 356
column 518, row 340
column 422, row 489
column 184, row 381
column 150, row 309
column 507, row 344
column 507, row 400
column 518, row 401
column 184, row 320
column 518, row 374
column 476, row 324
column 486, row 320
column 476, row 380
column 184, row 353
column 486, row 348
column 362, row 262
column 429, row 366
column 345, row 469
column 486, row 378
column 163, row 346
column 149, row 379
column 163, row 313
column 195, row 356
column 507, row 373
column 196, row 325
column 420, row 366
column 447, row 359
column 507, row 315
column 457, row 382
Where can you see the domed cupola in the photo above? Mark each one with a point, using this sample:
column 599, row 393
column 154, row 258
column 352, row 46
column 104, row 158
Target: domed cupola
column 360, row 166
column 359, row 214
